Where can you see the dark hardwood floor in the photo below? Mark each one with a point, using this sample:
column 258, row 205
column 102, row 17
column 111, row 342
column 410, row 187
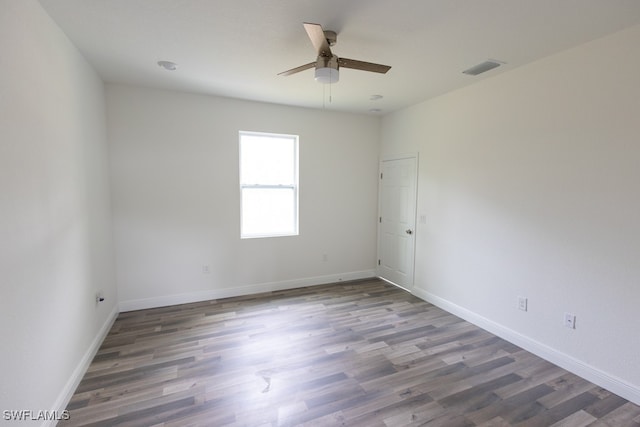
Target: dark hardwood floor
column 354, row 354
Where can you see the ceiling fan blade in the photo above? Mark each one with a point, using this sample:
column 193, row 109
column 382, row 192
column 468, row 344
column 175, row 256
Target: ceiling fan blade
column 318, row 39
column 364, row 66
column 298, row 69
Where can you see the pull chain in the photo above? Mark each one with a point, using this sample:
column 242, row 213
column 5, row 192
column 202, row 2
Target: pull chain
column 330, row 84
column 330, row 98
column 324, row 93
column 324, row 96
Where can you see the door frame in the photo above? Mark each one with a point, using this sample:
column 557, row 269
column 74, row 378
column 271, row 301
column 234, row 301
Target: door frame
column 414, row 215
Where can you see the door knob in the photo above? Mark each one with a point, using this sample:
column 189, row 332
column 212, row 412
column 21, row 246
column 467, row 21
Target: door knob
column 409, row 231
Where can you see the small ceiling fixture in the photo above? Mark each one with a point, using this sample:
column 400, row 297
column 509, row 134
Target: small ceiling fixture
column 168, row 65
column 483, row 67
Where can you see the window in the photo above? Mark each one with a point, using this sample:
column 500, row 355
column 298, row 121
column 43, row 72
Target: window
column 268, row 185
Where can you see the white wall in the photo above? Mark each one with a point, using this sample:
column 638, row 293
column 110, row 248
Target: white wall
column 174, row 168
column 55, row 230
column 530, row 185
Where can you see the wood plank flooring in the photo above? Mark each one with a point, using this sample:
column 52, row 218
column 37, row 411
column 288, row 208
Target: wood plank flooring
column 348, row 354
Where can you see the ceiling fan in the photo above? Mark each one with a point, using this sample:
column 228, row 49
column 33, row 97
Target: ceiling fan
column 327, row 65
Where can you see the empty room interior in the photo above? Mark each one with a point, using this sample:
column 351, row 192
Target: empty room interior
column 454, row 239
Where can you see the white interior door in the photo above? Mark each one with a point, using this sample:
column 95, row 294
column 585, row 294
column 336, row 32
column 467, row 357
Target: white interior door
column 397, row 218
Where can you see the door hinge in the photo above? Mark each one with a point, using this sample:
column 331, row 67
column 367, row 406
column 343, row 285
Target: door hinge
column 380, row 220
column 380, row 175
column 378, row 262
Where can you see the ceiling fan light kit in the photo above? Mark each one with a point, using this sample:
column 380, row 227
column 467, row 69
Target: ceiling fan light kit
column 327, row 75
column 327, row 69
column 327, row 65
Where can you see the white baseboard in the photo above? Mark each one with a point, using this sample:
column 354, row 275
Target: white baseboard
column 613, row 384
column 162, row 301
column 70, row 387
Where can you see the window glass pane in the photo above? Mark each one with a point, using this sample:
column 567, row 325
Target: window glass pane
column 268, row 184
column 267, row 159
column 268, row 211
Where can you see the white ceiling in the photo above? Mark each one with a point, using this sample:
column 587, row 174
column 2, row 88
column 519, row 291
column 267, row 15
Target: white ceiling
column 236, row 48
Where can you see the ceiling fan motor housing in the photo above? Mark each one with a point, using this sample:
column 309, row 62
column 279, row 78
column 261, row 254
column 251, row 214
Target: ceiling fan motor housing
column 327, row 62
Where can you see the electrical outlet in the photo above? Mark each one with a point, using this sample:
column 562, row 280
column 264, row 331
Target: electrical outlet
column 206, row 269
column 325, row 257
column 570, row 320
column 522, row 303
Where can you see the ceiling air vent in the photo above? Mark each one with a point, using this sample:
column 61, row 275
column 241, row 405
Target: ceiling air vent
column 481, row 68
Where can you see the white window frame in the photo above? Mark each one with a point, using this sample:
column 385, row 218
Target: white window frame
column 293, row 186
